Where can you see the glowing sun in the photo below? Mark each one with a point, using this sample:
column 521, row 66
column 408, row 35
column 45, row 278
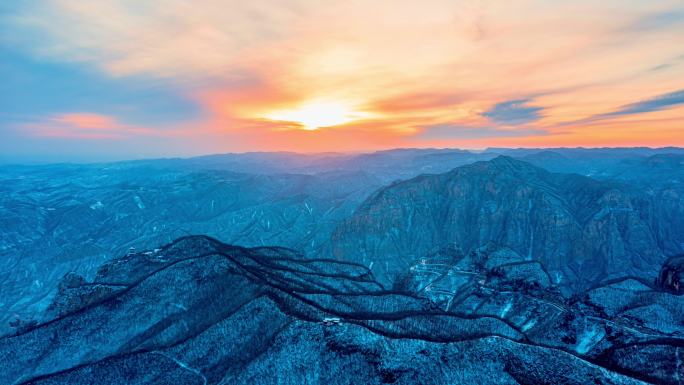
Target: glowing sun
column 314, row 115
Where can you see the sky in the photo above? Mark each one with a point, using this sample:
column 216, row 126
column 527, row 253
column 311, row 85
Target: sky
column 105, row 80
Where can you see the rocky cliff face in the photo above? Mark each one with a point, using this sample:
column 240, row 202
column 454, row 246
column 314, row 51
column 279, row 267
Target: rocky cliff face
column 671, row 277
column 583, row 230
column 201, row 312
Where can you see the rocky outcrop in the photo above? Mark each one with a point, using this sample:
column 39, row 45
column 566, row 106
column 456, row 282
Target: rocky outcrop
column 671, row 277
column 201, row 312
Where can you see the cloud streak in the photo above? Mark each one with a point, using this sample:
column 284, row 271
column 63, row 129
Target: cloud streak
column 455, row 131
column 514, row 112
column 83, row 125
column 657, row 103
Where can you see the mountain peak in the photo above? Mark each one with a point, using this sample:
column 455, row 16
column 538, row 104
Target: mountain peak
column 501, row 164
column 507, row 162
column 561, row 220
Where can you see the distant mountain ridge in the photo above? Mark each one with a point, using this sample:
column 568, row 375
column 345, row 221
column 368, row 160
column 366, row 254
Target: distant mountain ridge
column 583, row 229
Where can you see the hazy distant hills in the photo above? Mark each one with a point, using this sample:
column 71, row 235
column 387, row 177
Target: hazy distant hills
column 64, row 220
column 385, row 165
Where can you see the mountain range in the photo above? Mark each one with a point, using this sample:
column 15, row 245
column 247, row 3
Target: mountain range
column 198, row 311
column 584, row 230
column 401, row 266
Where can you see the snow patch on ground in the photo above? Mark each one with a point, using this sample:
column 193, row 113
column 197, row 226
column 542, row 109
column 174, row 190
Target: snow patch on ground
column 589, row 338
column 507, row 307
column 139, row 202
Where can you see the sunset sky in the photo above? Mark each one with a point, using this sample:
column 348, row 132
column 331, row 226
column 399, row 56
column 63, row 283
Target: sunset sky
column 102, row 80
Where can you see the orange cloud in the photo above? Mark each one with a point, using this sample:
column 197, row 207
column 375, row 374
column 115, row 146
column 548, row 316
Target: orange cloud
column 87, row 121
column 85, row 126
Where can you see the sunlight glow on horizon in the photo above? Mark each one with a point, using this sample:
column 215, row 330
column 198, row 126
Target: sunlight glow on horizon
column 318, row 114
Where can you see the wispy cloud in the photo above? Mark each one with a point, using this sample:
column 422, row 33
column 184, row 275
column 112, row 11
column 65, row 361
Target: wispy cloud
column 418, row 101
column 455, row 131
column 657, row 103
column 514, row 112
column 175, row 38
column 85, row 126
